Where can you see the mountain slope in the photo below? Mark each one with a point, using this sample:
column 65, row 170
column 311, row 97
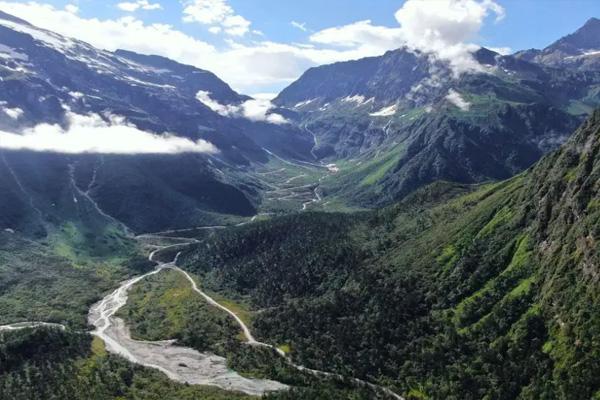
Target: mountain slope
column 46, row 78
column 403, row 120
column 579, row 50
column 457, row 292
column 43, row 72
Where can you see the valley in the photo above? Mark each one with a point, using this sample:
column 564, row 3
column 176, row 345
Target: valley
column 393, row 226
column 183, row 364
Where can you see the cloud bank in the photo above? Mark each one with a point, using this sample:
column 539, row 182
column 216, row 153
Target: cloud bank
column 253, row 109
column 92, row 134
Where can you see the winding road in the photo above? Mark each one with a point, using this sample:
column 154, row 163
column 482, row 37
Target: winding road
column 250, row 340
column 179, row 363
column 183, row 364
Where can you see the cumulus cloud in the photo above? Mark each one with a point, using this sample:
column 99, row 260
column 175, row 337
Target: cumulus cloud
column 131, row 6
column 218, row 14
column 244, row 67
column 361, row 34
column 268, row 65
column 72, row 8
column 442, row 28
column 264, row 96
column 446, row 27
column 93, row 134
column 253, row 109
column 455, row 98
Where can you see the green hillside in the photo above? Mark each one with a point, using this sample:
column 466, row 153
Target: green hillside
column 455, row 293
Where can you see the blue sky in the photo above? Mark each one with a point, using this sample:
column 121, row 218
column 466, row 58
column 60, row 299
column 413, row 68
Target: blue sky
column 253, row 45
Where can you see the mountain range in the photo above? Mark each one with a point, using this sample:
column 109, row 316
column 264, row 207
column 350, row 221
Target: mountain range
column 384, row 228
column 390, row 124
column 48, row 79
column 404, row 120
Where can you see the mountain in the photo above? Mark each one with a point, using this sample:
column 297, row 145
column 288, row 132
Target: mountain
column 46, row 78
column 405, row 119
column 579, row 50
column 456, row 292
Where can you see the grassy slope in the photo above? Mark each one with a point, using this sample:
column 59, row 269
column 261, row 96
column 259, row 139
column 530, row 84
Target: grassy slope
column 164, row 306
column 58, row 278
column 492, row 294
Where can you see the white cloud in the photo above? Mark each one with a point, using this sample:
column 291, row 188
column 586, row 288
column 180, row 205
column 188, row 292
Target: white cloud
column 361, row 34
column 455, row 98
column 299, row 25
column 226, row 110
column 92, row 134
column 264, row 64
column 218, row 14
column 72, row 8
column 14, row 113
column 258, row 110
column 253, row 109
column 445, row 28
column 132, row 6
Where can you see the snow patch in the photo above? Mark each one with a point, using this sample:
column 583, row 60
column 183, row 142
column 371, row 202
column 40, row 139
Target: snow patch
column 14, row 112
column 304, row 103
column 56, row 41
column 76, row 95
column 145, row 83
column 588, row 53
column 358, row 99
column 11, row 54
column 386, row 111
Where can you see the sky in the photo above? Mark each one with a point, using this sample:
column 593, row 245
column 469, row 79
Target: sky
column 261, row 46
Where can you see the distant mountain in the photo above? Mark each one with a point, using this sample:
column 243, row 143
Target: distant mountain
column 404, row 119
column 46, row 77
column 43, row 72
column 579, row 50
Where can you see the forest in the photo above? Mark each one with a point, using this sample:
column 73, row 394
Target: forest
column 457, row 292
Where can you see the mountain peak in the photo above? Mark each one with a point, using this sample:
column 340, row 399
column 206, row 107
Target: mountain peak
column 592, row 22
column 585, row 38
